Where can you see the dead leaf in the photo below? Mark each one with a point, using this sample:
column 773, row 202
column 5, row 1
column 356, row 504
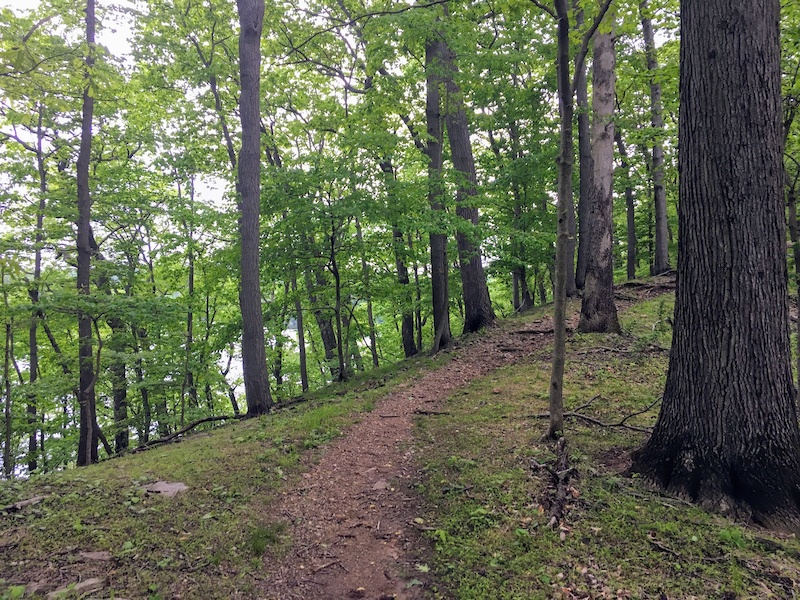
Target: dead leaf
column 381, row 484
column 166, row 488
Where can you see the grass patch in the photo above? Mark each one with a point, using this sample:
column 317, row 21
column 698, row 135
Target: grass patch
column 488, row 522
column 206, row 542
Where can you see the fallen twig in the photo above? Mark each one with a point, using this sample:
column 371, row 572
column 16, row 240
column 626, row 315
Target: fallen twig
column 419, row 411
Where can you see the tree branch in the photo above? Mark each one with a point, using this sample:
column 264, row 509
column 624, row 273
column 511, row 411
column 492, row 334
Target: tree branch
column 580, row 57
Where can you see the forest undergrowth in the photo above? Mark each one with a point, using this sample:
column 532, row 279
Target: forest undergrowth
column 486, row 484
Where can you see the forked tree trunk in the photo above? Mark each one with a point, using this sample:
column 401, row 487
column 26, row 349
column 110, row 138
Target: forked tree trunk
column 727, row 436
column 88, row 437
column 438, row 237
column 254, row 355
column 598, row 311
column 661, row 259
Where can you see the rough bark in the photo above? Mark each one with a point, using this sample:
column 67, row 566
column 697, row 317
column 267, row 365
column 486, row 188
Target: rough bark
column 630, row 208
column 598, row 311
column 727, row 436
column 661, row 259
column 438, row 236
column 254, row 358
column 88, row 438
column 478, row 312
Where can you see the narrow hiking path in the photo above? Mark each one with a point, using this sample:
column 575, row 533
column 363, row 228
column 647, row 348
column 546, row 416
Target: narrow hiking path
column 352, row 516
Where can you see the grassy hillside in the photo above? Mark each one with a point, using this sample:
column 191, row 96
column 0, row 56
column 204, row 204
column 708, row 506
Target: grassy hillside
column 484, row 479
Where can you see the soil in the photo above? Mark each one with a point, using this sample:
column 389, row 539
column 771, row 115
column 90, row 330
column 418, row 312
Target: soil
column 353, row 515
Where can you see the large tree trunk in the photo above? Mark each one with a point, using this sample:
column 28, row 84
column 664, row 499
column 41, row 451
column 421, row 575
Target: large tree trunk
column 478, row 312
column 630, row 207
column 727, row 436
column 88, row 438
column 598, row 311
column 433, row 149
column 585, row 162
column 661, row 259
column 254, row 357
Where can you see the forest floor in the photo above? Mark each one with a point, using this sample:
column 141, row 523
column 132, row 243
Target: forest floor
column 427, row 479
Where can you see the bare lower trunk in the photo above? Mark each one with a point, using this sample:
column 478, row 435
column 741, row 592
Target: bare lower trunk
column 301, row 336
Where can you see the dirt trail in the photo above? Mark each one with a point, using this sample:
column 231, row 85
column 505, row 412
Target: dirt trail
column 353, row 514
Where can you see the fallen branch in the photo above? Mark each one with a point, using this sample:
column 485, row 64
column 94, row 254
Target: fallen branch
column 430, row 412
column 171, row 437
column 621, row 423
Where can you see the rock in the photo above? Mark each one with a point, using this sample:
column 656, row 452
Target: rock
column 166, row 488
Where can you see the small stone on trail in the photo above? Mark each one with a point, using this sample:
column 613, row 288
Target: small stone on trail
column 381, row 484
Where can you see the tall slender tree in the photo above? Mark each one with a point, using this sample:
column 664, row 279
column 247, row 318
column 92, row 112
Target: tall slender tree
column 87, row 445
column 727, row 436
column 661, row 258
column 254, row 357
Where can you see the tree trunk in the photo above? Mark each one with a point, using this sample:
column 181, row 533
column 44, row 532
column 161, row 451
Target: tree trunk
column 433, row 148
column 585, row 156
column 326, row 330
column 254, row 357
column 301, row 335
column 598, row 311
column 727, row 436
column 33, row 294
column 566, row 158
column 661, row 259
column 373, row 336
column 8, row 458
column 88, row 439
column 630, row 207
column 478, row 312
